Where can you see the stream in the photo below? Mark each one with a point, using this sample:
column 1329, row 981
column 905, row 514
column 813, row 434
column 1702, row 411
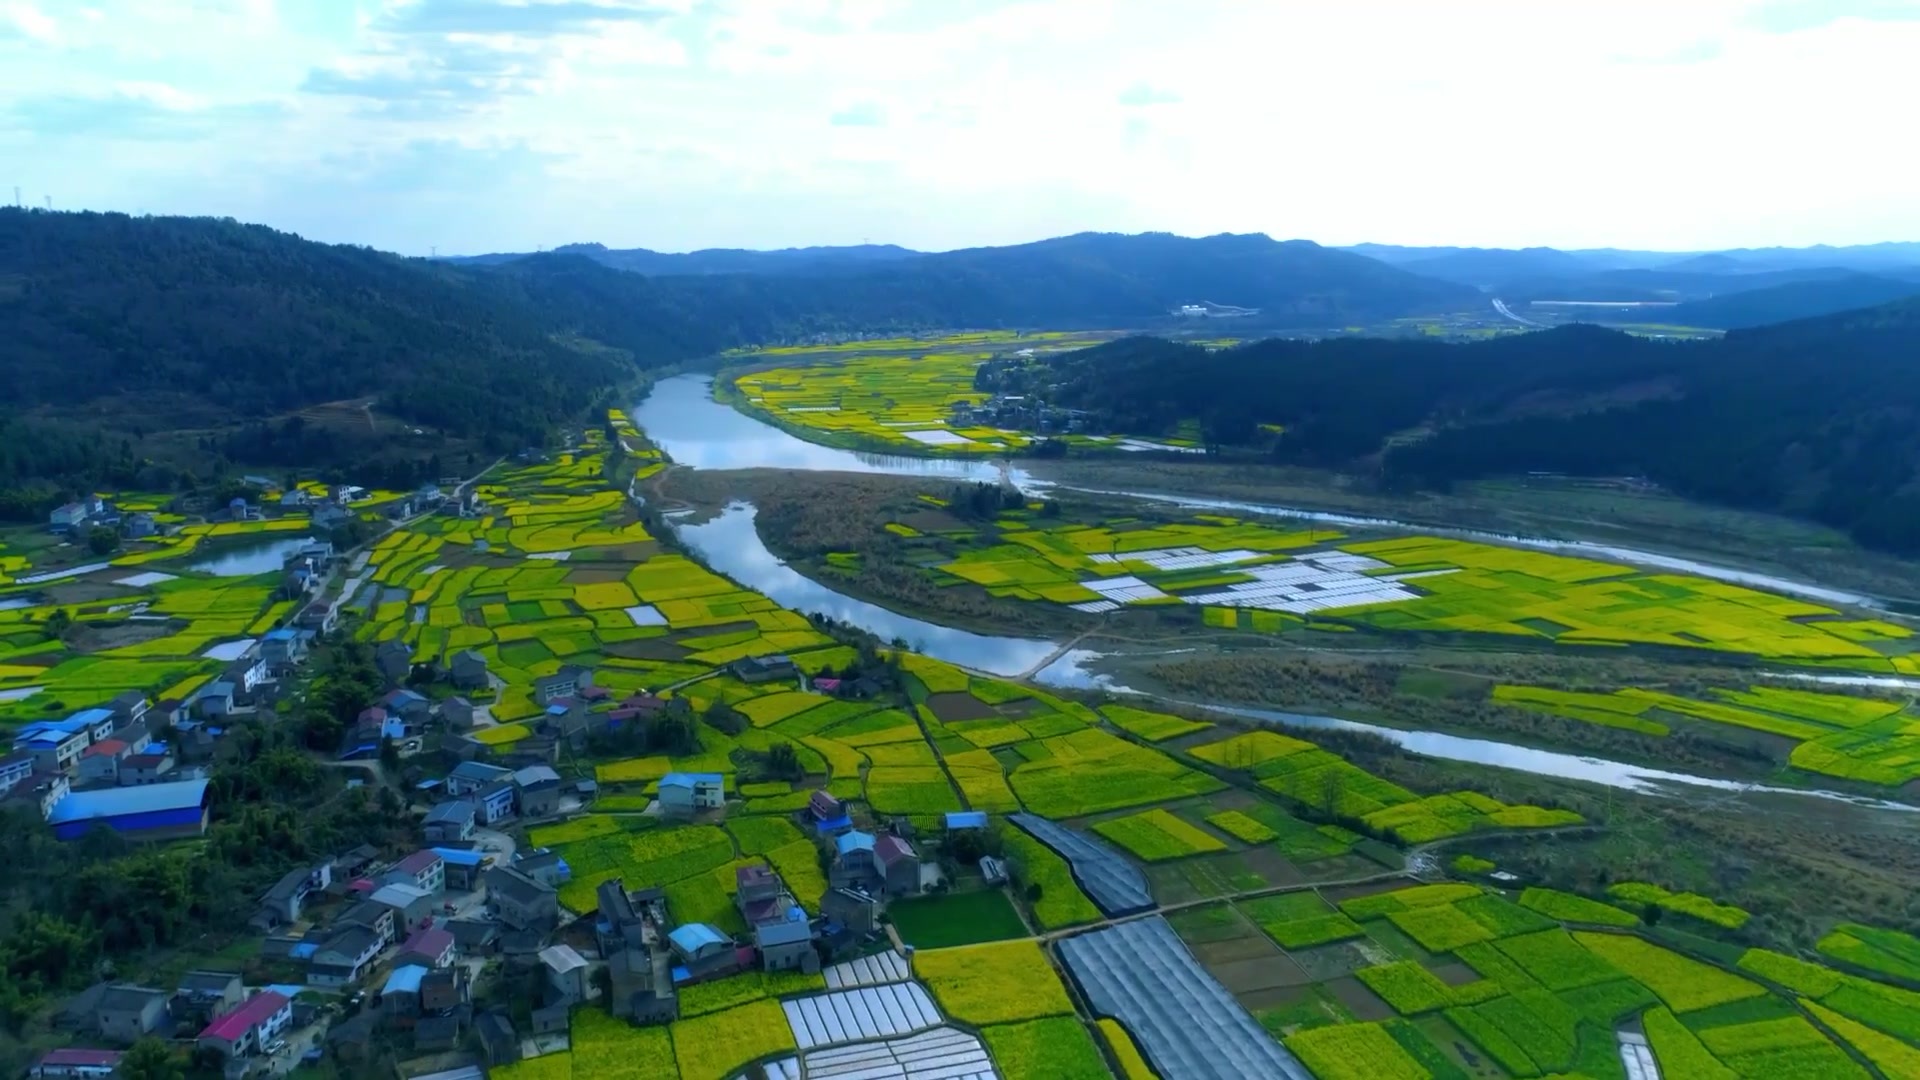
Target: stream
column 693, row 430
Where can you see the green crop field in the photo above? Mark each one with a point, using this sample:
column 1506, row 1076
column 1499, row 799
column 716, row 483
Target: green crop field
column 1156, row 834
column 962, row 918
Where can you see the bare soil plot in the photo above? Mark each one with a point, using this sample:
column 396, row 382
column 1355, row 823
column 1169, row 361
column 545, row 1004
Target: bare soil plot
column 646, row 649
column 956, row 705
column 597, row 575
column 1324, row 962
column 1362, row 1002
column 1251, row 976
column 1455, row 973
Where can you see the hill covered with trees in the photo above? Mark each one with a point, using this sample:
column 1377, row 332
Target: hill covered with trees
column 1818, row 418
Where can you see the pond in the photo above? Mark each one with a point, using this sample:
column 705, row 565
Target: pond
column 253, row 557
column 731, row 545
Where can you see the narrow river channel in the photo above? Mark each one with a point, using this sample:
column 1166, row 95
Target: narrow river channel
column 684, row 421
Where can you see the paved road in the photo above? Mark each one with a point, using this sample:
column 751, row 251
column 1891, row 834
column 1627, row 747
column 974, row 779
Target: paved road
column 1501, row 307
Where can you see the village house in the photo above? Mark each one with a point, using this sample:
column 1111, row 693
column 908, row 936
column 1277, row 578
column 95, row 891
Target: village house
column 75, row 1063
column 543, row 865
column 686, row 794
column 53, row 749
column 100, row 763
column 568, row 682
column 128, row 708
column 566, row 973
column 344, row 956
column 203, row 994
column 964, row 820
column 759, row 669
column 282, row 904
column 14, row 769
column 459, row 713
column 781, row 930
column 430, row 946
column 318, row 617
column 139, row 525
column 126, row 1013
column 424, row 869
column 394, row 658
column 412, row 905
column 246, row 674
column 444, row 989
column 149, row 768
column 538, row 789
column 409, row 705
column 371, row 915
column 41, row 790
column 77, row 515
column 400, row 994
column 703, row 951
column 283, row 650
column 450, row 822
column 522, row 902
column 853, row 909
column 827, row 815
column 636, row 708
column 214, row 700
column 463, row 867
column 899, row 866
column 887, row 864
column 495, row 801
column 470, row 776
column 468, row 671
column 250, row 1026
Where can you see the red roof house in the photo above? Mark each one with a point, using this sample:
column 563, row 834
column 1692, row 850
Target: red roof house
column 255, row 1022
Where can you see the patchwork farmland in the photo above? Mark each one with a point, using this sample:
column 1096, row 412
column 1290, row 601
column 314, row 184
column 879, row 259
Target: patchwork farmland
column 901, row 395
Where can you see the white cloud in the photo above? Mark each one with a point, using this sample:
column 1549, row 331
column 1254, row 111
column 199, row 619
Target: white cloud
column 686, row 123
column 31, row 22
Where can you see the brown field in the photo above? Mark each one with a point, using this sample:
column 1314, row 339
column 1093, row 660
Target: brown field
column 959, row 705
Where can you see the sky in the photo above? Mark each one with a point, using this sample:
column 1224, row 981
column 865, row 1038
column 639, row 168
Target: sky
column 466, row 126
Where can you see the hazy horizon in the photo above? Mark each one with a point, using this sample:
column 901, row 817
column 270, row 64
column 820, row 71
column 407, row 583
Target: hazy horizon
column 478, row 126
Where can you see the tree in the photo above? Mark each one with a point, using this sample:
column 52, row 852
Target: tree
column 151, row 1059
column 101, row 540
column 389, row 753
column 58, row 624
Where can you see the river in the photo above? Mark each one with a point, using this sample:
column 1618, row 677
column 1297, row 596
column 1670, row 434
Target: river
column 692, row 429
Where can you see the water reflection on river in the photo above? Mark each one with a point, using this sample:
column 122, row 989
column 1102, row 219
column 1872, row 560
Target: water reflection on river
column 732, row 546
column 681, row 418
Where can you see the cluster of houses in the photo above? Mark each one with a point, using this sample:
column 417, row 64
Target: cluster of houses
column 77, row 518
column 104, row 766
column 1022, row 413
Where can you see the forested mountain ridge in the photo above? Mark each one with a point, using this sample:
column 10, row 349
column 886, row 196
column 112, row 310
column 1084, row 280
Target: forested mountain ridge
column 229, row 336
column 1794, row 300
column 1818, row 417
column 716, row 260
column 1087, row 279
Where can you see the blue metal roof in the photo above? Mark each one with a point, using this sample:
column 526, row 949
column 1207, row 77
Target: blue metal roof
column 131, row 823
column 91, row 717
column 691, row 779
column 120, row 802
column 405, row 979
column 967, row 819
column 478, row 770
column 844, row 821
column 853, row 841
column 304, row 950
column 460, row 856
column 692, row 937
column 281, row 635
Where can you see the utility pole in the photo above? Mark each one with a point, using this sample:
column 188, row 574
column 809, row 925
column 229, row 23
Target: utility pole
column 16, row 196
